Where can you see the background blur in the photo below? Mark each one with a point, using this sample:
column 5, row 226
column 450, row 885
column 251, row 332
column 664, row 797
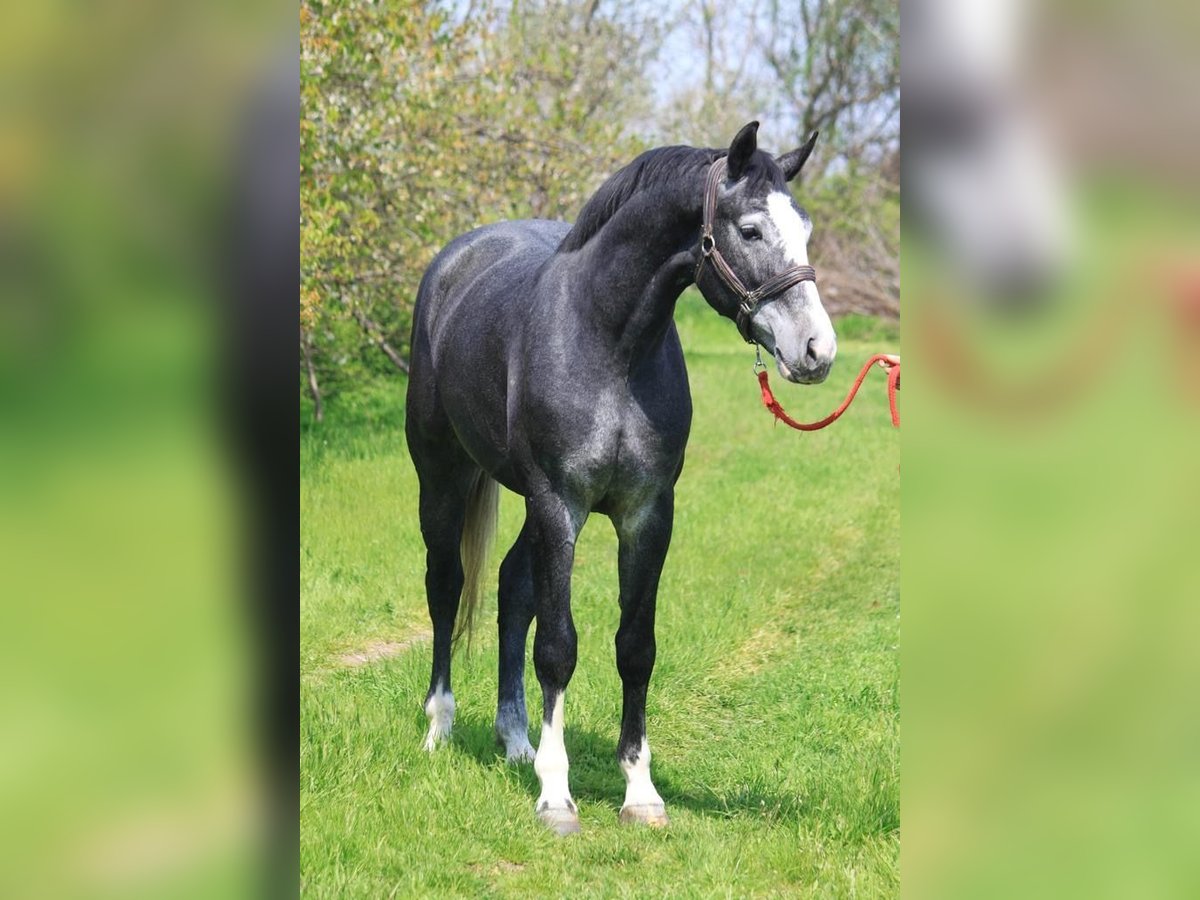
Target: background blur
column 1052, row 349
column 128, row 613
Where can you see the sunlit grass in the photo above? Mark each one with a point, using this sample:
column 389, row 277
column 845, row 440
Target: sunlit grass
column 773, row 713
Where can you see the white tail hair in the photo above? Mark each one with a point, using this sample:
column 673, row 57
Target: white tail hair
column 479, row 532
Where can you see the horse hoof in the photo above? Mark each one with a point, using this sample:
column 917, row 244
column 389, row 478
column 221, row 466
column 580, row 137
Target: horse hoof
column 520, row 755
column 653, row 814
column 561, row 821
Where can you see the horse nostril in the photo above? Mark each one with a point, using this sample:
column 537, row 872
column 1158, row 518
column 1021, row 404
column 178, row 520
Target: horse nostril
column 810, row 351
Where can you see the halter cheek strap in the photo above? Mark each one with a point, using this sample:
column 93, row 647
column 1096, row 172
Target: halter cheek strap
column 748, row 300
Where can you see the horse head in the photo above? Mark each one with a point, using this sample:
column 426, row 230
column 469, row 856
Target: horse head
column 756, row 237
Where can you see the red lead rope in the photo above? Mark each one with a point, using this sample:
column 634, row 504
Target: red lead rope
column 884, row 360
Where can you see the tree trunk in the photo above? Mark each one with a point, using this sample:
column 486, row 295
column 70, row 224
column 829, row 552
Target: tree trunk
column 375, row 333
column 313, row 387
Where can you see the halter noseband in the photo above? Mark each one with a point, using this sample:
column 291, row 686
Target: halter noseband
column 748, row 301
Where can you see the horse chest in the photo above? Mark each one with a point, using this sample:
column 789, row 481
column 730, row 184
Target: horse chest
column 607, row 445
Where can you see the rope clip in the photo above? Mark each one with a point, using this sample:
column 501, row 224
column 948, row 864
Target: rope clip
column 759, row 365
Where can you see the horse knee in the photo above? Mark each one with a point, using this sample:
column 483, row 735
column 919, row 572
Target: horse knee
column 554, row 656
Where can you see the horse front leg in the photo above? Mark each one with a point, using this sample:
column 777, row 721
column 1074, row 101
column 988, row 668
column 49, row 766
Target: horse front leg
column 553, row 528
column 644, row 537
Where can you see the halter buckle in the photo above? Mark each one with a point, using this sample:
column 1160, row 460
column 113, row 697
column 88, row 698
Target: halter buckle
column 707, row 244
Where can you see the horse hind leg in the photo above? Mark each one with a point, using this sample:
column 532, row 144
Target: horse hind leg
column 457, row 513
column 441, row 526
column 516, row 608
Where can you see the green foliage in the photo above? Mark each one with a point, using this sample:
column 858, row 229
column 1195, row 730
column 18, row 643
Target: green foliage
column 417, row 128
column 856, row 239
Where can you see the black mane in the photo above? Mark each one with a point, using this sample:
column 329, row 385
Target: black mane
column 658, row 168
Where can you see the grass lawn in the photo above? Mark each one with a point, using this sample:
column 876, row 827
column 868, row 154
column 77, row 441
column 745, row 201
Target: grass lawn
column 773, row 713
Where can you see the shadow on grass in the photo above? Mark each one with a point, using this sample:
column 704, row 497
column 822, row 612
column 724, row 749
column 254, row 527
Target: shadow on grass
column 596, row 778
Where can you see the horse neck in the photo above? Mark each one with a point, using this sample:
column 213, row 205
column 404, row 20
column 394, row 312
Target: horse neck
column 637, row 266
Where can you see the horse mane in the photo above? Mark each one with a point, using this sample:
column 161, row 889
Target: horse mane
column 661, row 167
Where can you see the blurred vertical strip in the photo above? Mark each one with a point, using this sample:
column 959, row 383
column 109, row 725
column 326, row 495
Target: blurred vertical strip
column 147, row 152
column 1051, row 281
column 257, row 375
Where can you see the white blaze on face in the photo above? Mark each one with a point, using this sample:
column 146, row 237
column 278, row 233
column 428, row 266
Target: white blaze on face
column 792, row 331
column 551, row 763
column 792, row 231
column 639, row 789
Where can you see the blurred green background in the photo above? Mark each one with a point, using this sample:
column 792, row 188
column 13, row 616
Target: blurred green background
column 128, row 757
column 1050, row 501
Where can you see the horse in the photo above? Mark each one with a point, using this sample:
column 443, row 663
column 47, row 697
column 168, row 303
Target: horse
column 545, row 358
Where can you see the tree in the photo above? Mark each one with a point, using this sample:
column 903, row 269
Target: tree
column 418, row 127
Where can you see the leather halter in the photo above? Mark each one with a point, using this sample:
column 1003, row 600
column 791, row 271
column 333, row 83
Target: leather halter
column 748, row 301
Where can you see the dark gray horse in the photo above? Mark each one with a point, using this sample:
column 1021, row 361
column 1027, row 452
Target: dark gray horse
column 545, row 358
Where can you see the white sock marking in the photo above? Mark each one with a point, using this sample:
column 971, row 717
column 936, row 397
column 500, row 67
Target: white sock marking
column 440, row 709
column 639, row 789
column 551, row 763
column 515, row 736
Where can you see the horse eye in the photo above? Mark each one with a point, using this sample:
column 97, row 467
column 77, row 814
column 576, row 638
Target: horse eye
column 751, row 233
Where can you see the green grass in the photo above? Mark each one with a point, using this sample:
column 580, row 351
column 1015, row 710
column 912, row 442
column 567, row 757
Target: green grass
column 773, row 713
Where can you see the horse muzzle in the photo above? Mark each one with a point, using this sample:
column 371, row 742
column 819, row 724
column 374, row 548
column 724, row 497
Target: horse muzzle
column 813, row 368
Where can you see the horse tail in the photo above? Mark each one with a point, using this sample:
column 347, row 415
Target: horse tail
column 479, row 532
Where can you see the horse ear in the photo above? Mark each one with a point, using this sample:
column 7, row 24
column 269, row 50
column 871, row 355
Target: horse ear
column 740, row 151
column 793, row 162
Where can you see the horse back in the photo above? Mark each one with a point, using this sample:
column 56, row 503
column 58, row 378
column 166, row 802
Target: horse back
column 479, row 274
